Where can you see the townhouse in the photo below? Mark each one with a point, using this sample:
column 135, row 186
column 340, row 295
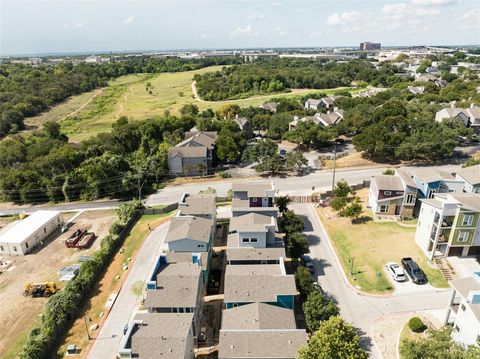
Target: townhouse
column 198, row 205
column 448, row 225
column 160, row 336
column 194, row 155
column 464, row 307
column 189, row 234
column 253, row 197
column 321, row 119
column 470, row 177
column 260, row 330
column 469, row 116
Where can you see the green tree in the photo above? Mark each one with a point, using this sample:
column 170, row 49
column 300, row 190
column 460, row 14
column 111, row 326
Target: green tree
column 273, row 164
column 282, row 203
column 290, row 223
column 342, row 189
column 52, row 129
column 318, row 309
column 189, row 110
column 259, row 151
column 228, row 111
column 295, row 160
column 304, row 282
column 334, row 339
column 353, row 211
column 338, row 203
column 389, row 172
column 471, row 162
column 297, row 245
column 126, row 210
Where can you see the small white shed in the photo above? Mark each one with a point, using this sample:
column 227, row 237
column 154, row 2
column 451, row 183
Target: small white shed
column 22, row 236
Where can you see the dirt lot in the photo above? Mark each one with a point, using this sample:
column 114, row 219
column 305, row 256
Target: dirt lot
column 18, row 313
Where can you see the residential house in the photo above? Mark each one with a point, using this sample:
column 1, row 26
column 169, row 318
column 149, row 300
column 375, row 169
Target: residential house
column 425, row 78
column 465, row 304
column 452, row 113
column 189, row 234
column 471, row 178
column 313, row 104
column 269, row 284
column 386, row 195
column 432, row 180
column 152, row 335
column 410, row 196
column 329, row 101
column 198, row 205
column 448, row 225
column 260, row 330
column 245, row 125
column 322, row 119
column 176, row 288
column 250, row 255
column 253, row 197
column 194, row 155
column 252, row 230
column 270, row 106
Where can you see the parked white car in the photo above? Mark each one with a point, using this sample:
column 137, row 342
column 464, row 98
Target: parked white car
column 397, row 273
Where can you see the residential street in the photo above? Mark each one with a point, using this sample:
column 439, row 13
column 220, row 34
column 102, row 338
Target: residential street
column 109, row 336
column 359, row 309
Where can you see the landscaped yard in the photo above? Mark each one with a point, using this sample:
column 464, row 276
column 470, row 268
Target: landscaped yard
column 372, row 245
column 110, row 284
column 90, row 113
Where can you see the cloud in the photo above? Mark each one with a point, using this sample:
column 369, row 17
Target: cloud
column 316, row 34
column 254, row 17
column 434, row 2
column 343, row 18
column 243, row 31
column 128, row 20
column 275, row 3
column 399, row 8
column 77, row 25
column 470, row 19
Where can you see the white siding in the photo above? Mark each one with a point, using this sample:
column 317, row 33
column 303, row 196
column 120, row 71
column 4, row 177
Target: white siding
column 187, row 245
column 468, row 325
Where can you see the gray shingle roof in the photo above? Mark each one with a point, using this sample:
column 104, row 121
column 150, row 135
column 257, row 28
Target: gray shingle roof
column 278, row 344
column 465, row 285
column 187, row 152
column 161, row 335
column 198, row 139
column 198, row 204
column 385, row 182
column 469, row 201
column 471, row 174
column 253, row 222
column 252, row 189
column 258, row 316
column 405, row 176
column 194, row 228
column 254, row 269
column 255, row 253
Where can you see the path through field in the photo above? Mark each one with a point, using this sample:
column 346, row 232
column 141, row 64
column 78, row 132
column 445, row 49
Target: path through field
column 84, row 104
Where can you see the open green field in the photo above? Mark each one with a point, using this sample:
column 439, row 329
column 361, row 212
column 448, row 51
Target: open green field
column 93, row 112
column 373, row 244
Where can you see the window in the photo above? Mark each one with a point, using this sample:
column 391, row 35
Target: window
column 387, row 193
column 463, row 236
column 14, row 248
column 1, row 248
column 45, row 230
column 200, row 246
column 476, row 190
column 399, row 193
column 245, row 240
column 384, row 208
column 180, row 310
column 26, row 244
column 187, row 310
column 431, row 193
column 410, row 198
column 467, row 220
column 462, row 307
column 253, row 240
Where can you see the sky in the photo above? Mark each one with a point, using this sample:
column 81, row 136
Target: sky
column 39, row 27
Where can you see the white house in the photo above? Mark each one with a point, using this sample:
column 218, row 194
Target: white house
column 22, row 236
column 471, row 177
column 465, row 303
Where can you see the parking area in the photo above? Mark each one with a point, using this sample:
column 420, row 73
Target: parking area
column 18, row 313
column 407, row 286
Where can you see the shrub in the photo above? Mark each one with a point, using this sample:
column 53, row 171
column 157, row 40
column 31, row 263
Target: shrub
column 116, row 228
column 416, row 325
column 225, row 175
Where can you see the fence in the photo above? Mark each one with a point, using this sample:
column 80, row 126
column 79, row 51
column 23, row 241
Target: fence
column 317, row 198
column 161, row 210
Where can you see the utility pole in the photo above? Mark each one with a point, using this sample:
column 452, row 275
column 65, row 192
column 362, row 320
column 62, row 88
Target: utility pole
column 86, row 328
column 334, row 164
column 351, row 260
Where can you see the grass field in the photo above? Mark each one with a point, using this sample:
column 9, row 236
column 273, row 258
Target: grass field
column 110, row 284
column 93, row 112
column 373, row 244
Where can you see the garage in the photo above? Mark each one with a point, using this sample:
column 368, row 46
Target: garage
column 474, row 251
column 455, row 251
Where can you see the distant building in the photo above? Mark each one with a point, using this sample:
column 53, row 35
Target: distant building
column 370, row 46
column 270, row 106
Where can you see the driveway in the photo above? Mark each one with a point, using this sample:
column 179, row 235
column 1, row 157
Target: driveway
column 408, row 286
column 361, row 310
column 108, row 339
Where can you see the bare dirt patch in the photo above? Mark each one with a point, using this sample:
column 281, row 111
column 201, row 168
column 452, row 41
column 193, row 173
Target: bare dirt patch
column 18, row 313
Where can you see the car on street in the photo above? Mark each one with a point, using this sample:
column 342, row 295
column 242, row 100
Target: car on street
column 414, row 271
column 307, row 262
column 397, row 273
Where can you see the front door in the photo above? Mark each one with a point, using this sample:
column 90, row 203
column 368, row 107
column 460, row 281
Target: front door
column 398, row 209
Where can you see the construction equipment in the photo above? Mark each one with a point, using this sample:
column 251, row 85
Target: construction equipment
column 36, row 290
column 71, row 241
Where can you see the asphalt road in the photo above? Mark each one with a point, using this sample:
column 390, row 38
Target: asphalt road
column 87, row 206
column 108, row 339
column 359, row 309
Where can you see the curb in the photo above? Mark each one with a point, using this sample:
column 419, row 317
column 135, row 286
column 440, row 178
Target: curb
column 121, row 285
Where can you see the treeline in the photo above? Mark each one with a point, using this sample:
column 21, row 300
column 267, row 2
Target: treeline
column 266, row 76
column 26, row 90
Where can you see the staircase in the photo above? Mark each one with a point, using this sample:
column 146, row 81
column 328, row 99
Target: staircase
column 443, row 267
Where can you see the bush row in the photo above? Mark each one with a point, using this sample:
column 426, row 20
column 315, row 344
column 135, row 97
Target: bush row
column 63, row 307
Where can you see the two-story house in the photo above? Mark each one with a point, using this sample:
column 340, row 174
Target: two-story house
column 194, row 155
column 158, row 335
column 253, row 197
column 189, row 234
column 176, row 288
column 252, row 230
column 198, row 205
column 471, row 178
column 448, row 225
column 270, row 284
column 432, row 180
column 260, row 330
column 464, row 307
column 386, row 195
